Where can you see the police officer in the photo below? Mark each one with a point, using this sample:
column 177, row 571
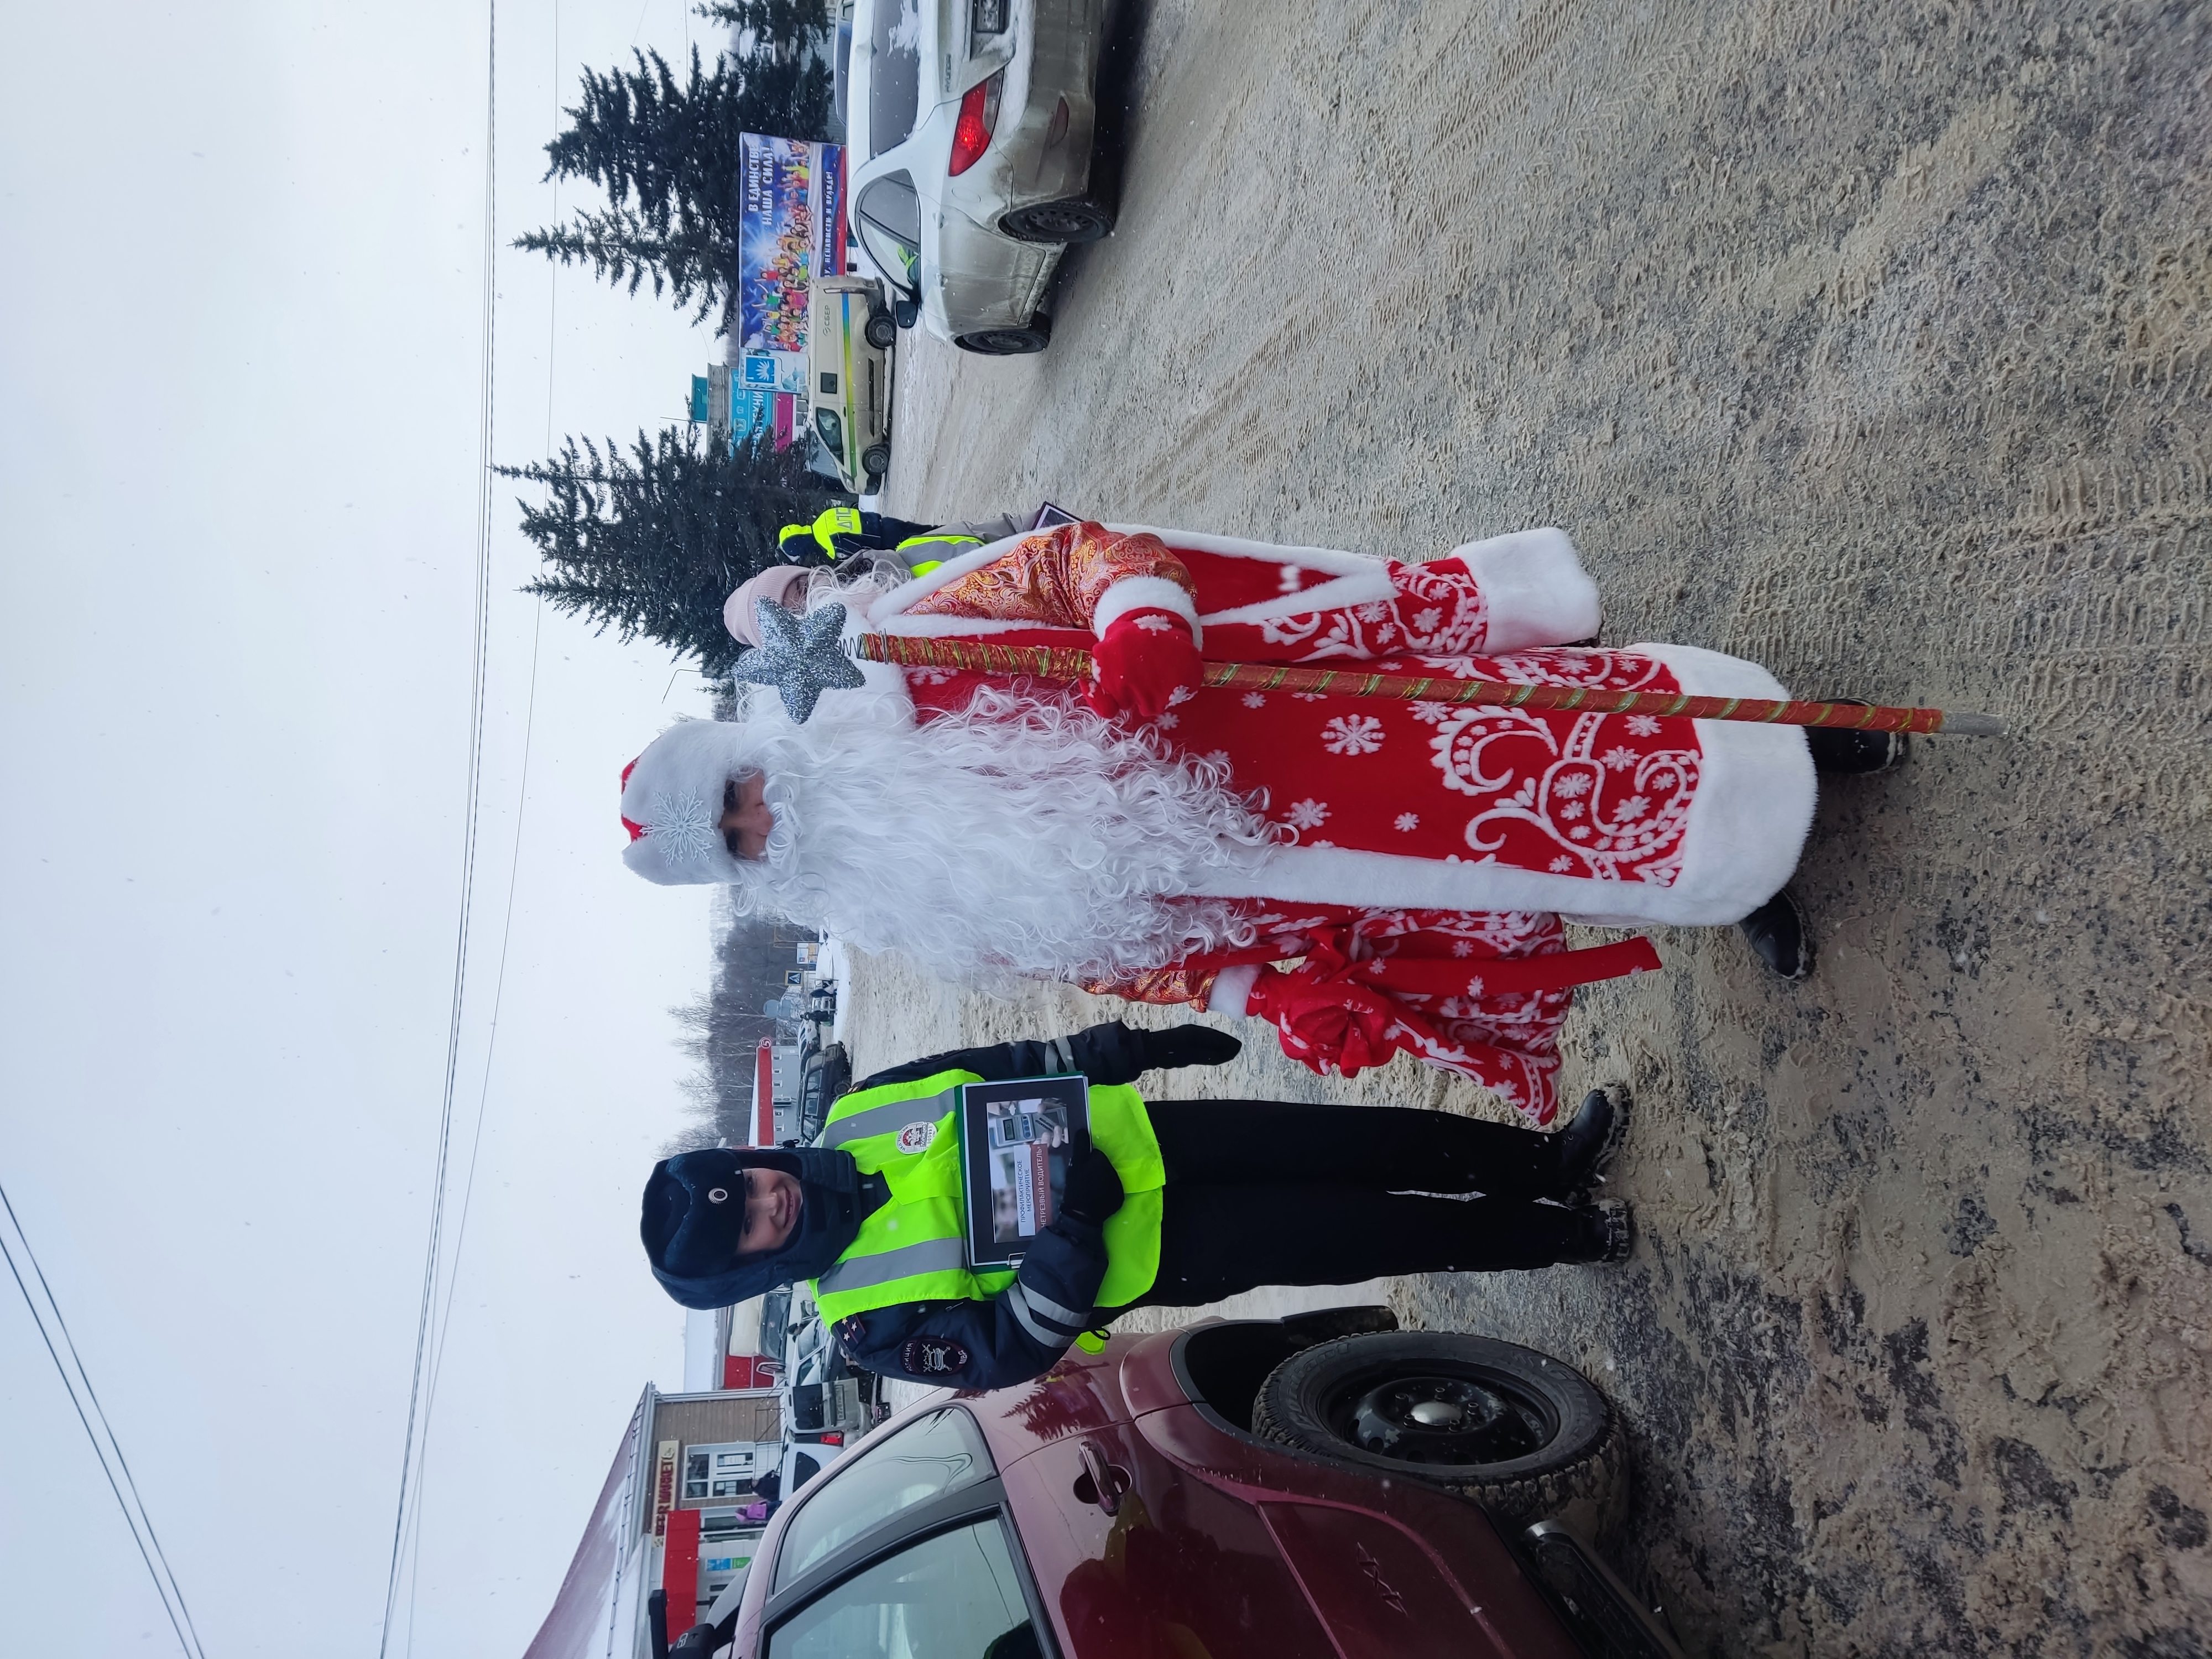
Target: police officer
column 839, row 532
column 1176, row 1204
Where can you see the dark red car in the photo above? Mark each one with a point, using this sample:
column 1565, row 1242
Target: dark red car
column 1322, row 1487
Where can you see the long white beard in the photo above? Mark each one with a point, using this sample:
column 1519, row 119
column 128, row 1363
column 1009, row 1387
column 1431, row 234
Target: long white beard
column 1021, row 837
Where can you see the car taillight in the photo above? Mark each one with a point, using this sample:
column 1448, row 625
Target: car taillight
column 833, row 1439
column 979, row 113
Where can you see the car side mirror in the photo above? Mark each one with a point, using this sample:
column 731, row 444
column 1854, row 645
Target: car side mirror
column 906, row 312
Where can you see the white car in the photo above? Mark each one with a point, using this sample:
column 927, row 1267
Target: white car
column 968, row 128
column 805, row 1459
column 848, row 383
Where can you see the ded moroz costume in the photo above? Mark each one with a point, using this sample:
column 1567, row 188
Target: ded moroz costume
column 1174, row 843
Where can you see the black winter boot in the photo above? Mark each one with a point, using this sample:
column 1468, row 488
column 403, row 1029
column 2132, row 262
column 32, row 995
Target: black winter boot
column 1839, row 751
column 1590, row 1139
column 1778, row 935
column 1611, row 1229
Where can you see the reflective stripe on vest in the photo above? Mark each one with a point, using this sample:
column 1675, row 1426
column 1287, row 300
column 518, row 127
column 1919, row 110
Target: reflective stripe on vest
column 915, row 543
column 887, row 1119
column 851, row 1273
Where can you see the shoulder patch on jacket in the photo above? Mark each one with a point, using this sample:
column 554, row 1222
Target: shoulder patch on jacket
column 933, row 1356
column 850, row 1332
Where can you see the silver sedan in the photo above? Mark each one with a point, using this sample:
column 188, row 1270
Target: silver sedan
column 975, row 119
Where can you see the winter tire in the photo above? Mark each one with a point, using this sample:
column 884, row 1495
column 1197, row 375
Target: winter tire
column 1526, row 1436
column 1078, row 219
column 1009, row 341
column 876, row 459
column 882, row 330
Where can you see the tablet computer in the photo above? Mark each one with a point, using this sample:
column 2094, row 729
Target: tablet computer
column 1018, row 1140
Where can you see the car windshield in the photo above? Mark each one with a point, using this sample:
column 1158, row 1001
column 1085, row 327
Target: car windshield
column 942, row 1452
column 890, row 226
column 953, row 1596
column 841, row 65
column 775, row 1314
column 894, row 73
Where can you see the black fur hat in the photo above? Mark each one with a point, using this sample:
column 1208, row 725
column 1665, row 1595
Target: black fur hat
column 695, row 1213
column 691, row 1238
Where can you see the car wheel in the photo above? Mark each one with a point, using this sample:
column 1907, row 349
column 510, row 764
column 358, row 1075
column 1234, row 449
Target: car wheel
column 876, row 459
column 882, row 330
column 1524, row 1435
column 1078, row 219
column 1009, row 341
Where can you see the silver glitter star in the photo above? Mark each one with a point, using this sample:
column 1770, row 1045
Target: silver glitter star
column 799, row 656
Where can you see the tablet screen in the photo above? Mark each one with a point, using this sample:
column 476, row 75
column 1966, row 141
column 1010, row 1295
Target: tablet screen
column 1018, row 1140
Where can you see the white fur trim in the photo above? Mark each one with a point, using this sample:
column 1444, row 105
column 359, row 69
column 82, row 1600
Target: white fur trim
column 1142, row 593
column 887, row 683
column 1756, row 788
column 1341, row 593
column 1535, row 589
column 1392, row 881
column 1231, row 987
column 1747, row 829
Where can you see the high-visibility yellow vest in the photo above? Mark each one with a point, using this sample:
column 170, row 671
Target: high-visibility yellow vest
column 833, row 522
column 830, row 524
column 911, row 1248
column 935, row 538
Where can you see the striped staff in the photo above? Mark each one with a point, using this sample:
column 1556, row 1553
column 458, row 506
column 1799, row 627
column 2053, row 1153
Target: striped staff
column 1068, row 663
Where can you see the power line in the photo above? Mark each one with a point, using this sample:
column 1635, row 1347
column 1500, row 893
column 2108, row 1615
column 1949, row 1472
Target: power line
column 134, row 1508
column 416, row 1399
column 437, row 1363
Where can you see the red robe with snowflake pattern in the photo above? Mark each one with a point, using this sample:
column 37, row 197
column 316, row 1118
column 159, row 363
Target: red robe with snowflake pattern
column 1415, row 833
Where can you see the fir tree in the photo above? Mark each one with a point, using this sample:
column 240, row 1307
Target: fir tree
column 667, row 155
column 651, row 541
column 781, row 28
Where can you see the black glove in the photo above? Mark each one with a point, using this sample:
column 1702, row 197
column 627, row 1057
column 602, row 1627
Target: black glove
column 1113, row 1053
column 1094, row 1191
column 1190, row 1045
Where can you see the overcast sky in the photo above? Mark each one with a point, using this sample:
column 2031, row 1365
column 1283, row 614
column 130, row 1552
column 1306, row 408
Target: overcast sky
column 239, row 380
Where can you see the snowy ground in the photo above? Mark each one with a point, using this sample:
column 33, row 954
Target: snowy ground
column 1874, row 343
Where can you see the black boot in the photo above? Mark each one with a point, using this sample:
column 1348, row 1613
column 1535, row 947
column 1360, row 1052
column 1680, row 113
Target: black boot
column 1840, row 751
column 1590, row 1139
column 1778, row 934
column 1610, row 1230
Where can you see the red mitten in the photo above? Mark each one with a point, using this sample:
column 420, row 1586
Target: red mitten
column 1331, row 1026
column 1147, row 657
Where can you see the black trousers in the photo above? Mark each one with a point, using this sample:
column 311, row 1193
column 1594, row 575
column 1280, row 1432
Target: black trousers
column 891, row 531
column 1267, row 1193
